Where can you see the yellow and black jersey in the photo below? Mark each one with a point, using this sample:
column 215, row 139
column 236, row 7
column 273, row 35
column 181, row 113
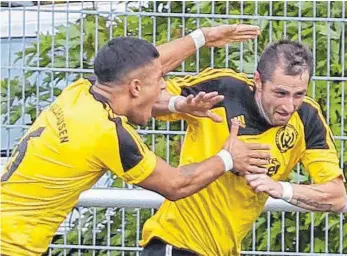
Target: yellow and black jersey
column 68, row 148
column 215, row 220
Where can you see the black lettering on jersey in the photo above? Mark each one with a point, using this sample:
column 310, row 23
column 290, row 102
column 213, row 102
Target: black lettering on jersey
column 20, row 151
column 129, row 152
column 62, row 129
column 315, row 130
column 273, row 167
column 286, row 137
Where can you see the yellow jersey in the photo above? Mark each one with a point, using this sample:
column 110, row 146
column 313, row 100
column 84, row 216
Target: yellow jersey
column 67, row 149
column 214, row 221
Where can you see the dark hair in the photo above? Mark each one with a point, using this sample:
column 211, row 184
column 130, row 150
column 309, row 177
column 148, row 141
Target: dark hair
column 120, row 56
column 293, row 57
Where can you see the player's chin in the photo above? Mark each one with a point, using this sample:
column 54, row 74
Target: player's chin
column 144, row 121
column 281, row 122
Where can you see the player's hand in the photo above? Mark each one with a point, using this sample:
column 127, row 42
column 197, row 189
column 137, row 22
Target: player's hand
column 248, row 158
column 200, row 105
column 263, row 183
column 223, row 34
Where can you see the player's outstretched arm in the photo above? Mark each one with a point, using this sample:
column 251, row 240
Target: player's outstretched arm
column 176, row 183
column 329, row 196
column 173, row 53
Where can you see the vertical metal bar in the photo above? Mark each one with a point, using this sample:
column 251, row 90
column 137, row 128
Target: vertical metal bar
column 328, row 116
column 108, row 223
column 110, row 16
column 38, row 58
column 268, row 222
column 312, row 232
column 197, row 56
column 82, row 36
column 285, row 22
column 79, row 229
column 241, row 45
column 96, row 42
column 270, row 22
column 227, row 46
column 23, row 72
column 314, row 49
column 8, row 82
column 253, row 236
column 123, row 229
column 183, row 30
column 125, row 19
column 140, row 20
column 212, row 48
column 299, row 22
column 283, row 230
column 137, row 229
column 297, row 236
column 94, row 229
column 52, row 53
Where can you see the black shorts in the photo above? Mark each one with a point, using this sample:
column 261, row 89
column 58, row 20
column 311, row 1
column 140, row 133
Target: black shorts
column 157, row 247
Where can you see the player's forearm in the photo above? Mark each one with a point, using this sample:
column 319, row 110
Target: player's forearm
column 194, row 177
column 330, row 196
column 172, row 54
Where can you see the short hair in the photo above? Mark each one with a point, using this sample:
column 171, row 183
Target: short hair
column 120, row 56
column 293, row 57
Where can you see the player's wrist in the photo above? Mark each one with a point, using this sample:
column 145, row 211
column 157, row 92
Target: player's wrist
column 287, row 191
column 198, row 37
column 227, row 159
column 175, row 104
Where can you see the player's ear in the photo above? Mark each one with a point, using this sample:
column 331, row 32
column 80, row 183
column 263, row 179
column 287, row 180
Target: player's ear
column 257, row 81
column 135, row 87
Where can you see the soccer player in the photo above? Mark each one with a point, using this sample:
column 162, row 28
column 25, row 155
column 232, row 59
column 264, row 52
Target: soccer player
column 272, row 108
column 87, row 131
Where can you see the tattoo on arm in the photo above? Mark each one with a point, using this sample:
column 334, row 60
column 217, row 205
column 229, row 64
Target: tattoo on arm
column 188, row 170
column 319, row 206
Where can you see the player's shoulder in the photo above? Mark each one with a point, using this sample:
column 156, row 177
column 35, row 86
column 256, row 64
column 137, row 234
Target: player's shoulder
column 215, row 74
column 223, row 80
column 309, row 111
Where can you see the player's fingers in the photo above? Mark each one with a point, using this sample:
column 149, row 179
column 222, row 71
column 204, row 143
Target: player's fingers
column 190, row 98
column 213, row 101
column 234, row 129
column 209, row 95
column 258, row 146
column 261, row 188
column 260, row 154
column 258, row 161
column 247, row 28
column 214, row 117
column 250, row 177
column 256, row 169
column 199, row 97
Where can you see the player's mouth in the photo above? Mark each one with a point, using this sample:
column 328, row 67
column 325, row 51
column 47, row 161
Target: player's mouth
column 283, row 114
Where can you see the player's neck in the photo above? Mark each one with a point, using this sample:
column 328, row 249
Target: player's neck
column 261, row 109
column 116, row 99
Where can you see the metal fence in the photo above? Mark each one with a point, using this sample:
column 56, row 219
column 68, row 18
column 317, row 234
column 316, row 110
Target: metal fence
column 56, row 43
